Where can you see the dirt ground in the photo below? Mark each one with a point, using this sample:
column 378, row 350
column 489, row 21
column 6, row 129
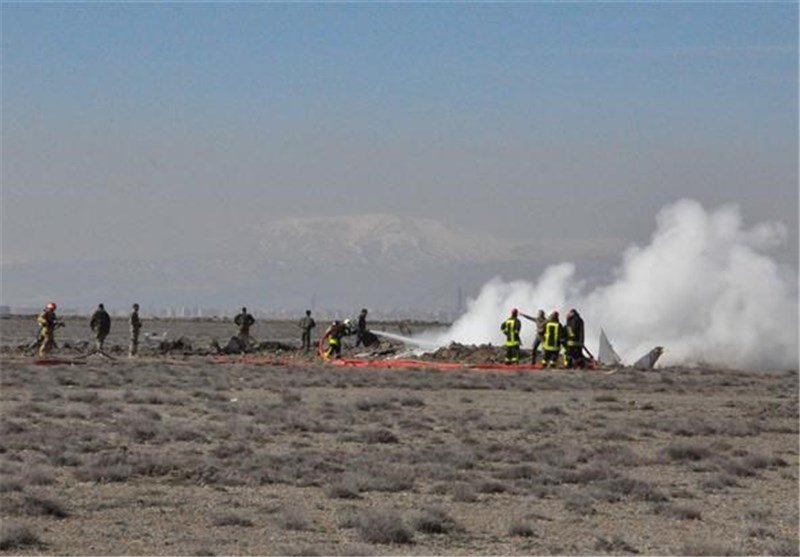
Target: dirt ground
column 184, row 455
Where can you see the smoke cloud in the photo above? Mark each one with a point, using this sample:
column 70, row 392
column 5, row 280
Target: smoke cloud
column 704, row 288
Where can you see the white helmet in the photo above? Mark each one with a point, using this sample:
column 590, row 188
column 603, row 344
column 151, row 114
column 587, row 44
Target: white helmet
column 347, row 322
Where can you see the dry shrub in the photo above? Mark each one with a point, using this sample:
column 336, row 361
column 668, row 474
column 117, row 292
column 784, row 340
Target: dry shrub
column 580, row 503
column 491, row 486
column 17, row 536
column 38, row 476
column 105, row 468
column 681, row 512
column 618, row 489
column 521, row 529
column 232, row 519
column 758, row 531
column 293, row 519
column 388, row 480
column 376, row 436
column 615, row 545
column 435, row 521
column 464, row 493
column 682, row 452
column 384, row 527
column 786, row 547
column 368, row 404
column 303, row 550
column 37, row 505
column 709, row 548
column 720, row 481
column 346, row 488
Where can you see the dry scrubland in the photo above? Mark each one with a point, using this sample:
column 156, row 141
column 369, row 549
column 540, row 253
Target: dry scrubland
column 192, row 458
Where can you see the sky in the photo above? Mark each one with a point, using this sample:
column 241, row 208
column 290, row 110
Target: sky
column 146, row 130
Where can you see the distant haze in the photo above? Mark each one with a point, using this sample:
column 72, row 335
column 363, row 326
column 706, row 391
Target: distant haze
column 387, row 155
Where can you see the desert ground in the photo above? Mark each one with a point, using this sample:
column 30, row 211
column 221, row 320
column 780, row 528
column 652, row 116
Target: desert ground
column 188, row 454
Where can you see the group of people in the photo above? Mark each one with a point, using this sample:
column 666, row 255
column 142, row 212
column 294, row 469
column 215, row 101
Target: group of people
column 340, row 329
column 551, row 336
column 99, row 323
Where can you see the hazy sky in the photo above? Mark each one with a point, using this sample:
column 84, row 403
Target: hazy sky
column 139, row 130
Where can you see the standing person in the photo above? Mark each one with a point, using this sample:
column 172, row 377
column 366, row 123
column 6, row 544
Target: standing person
column 306, row 324
column 511, row 328
column 136, row 326
column 540, row 321
column 244, row 320
column 552, row 341
column 361, row 328
column 574, row 340
column 101, row 325
column 48, row 323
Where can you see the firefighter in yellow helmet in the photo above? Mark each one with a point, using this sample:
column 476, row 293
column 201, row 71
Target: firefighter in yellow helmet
column 552, row 341
column 48, row 323
column 511, row 328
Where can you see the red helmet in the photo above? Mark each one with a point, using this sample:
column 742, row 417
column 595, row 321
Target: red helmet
column 51, row 305
column 514, row 311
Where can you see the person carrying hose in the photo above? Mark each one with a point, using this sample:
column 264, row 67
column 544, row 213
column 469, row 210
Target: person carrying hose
column 334, row 336
column 48, row 323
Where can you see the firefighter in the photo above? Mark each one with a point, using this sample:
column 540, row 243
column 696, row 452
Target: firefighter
column 510, row 328
column 552, row 341
column 334, row 334
column 48, row 323
column 244, row 320
column 540, row 321
column 573, row 357
column 100, row 323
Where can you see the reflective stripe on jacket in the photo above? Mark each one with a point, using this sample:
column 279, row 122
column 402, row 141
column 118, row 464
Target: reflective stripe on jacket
column 510, row 328
column 552, row 336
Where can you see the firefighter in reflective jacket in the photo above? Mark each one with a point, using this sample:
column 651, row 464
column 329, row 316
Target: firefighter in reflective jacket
column 573, row 357
column 334, row 334
column 552, row 341
column 510, row 328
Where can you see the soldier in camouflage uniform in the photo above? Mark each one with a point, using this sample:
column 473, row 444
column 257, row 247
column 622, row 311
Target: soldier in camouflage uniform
column 136, row 326
column 306, row 324
column 244, row 320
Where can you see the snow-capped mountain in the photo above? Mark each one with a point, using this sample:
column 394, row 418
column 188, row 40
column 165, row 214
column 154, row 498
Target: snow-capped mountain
column 376, row 239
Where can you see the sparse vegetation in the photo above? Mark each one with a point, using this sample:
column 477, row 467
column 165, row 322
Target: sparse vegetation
column 283, row 459
column 384, row 527
column 17, row 536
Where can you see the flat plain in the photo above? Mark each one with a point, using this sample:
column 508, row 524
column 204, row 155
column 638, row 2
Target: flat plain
column 197, row 455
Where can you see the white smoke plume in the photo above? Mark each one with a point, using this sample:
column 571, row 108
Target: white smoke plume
column 703, row 288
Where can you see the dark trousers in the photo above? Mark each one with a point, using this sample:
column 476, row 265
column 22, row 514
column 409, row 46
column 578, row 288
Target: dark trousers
column 512, row 354
column 334, row 350
column 306, row 339
column 550, row 358
column 574, row 357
